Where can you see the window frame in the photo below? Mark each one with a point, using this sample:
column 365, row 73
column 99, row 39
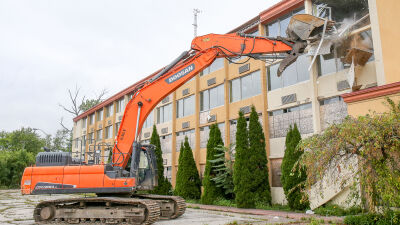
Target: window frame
column 108, row 132
column 256, row 73
column 109, row 110
column 163, row 114
column 99, row 115
column 208, row 97
column 182, row 102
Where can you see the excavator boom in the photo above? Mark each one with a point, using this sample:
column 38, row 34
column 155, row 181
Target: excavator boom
column 205, row 49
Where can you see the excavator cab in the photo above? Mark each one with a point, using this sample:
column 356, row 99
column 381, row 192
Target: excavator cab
column 146, row 172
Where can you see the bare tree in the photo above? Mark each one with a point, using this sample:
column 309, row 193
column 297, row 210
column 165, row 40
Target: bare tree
column 79, row 105
column 74, row 108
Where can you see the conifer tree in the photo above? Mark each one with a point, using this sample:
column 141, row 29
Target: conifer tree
column 187, row 178
column 211, row 190
column 242, row 178
column 164, row 186
column 291, row 179
column 258, row 162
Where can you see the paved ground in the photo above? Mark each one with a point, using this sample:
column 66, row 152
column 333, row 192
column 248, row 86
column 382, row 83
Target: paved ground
column 18, row 209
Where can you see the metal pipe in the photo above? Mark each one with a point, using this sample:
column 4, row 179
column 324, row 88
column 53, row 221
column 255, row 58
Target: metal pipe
column 319, row 46
column 140, row 104
column 167, row 68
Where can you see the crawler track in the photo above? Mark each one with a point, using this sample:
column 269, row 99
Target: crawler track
column 171, row 207
column 103, row 210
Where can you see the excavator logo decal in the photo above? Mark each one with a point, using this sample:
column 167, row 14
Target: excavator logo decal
column 185, row 71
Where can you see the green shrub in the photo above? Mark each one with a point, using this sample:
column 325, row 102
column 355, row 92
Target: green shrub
column 164, row 186
column 211, row 191
column 389, row 218
column 12, row 166
column 258, row 162
column 188, row 182
column 250, row 169
column 242, row 175
column 335, row 210
column 292, row 178
column 224, row 167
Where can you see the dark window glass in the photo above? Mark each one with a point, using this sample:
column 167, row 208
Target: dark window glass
column 302, row 64
column 274, row 81
column 212, row 98
column 246, row 87
column 216, row 65
column 283, row 23
column 235, row 90
column 204, row 100
column 273, row 29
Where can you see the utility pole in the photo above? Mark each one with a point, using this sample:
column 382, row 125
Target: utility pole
column 195, row 12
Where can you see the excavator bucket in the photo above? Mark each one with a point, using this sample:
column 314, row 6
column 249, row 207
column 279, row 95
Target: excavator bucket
column 305, row 26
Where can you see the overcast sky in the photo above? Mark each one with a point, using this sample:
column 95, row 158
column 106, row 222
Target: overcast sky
column 49, row 46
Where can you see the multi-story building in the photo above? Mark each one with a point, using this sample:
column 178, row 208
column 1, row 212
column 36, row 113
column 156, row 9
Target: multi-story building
column 310, row 98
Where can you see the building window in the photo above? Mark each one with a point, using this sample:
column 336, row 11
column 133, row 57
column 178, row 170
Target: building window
column 332, row 110
column 245, row 87
column 84, row 121
column 91, row 138
column 212, row 98
column 99, row 135
column 120, row 105
column 278, row 28
column 100, row 115
column 164, row 113
column 130, row 96
column 205, row 134
column 117, row 128
column 84, row 141
column 185, row 107
column 91, row 119
column 328, row 64
column 166, row 143
column 108, row 132
column 149, row 120
column 76, row 142
column 180, row 139
column 293, row 74
column 216, row 65
column 280, row 120
column 109, row 110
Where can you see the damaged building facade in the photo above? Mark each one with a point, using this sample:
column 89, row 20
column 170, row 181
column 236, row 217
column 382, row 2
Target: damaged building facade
column 351, row 67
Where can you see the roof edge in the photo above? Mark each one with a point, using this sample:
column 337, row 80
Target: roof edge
column 279, row 9
column 371, row 93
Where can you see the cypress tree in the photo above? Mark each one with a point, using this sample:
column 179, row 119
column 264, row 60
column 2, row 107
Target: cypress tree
column 187, row 178
column 258, row 162
column 164, row 186
column 211, row 191
column 291, row 179
column 242, row 178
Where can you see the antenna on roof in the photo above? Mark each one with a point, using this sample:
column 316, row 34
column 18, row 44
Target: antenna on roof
column 195, row 12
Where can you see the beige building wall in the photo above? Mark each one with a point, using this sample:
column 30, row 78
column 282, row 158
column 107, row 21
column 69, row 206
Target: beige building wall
column 388, row 17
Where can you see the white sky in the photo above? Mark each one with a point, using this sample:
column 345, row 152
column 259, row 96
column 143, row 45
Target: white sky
column 49, row 46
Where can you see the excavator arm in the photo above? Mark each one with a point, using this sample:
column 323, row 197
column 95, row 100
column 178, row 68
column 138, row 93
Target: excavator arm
column 204, row 50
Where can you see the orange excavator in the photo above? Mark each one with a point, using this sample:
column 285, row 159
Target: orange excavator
column 114, row 184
